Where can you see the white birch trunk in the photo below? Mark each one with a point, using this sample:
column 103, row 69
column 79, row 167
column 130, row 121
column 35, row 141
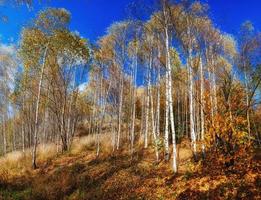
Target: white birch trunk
column 157, row 123
column 210, row 84
column 214, row 87
column 170, row 100
column 191, row 108
column 120, row 112
column 247, row 102
column 147, row 107
column 69, row 126
column 134, row 102
column 202, row 105
column 36, row 124
column 4, row 135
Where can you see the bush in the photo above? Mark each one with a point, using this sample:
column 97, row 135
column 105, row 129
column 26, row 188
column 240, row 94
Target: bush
column 228, row 138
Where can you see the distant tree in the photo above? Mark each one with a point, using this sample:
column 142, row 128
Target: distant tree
column 249, row 64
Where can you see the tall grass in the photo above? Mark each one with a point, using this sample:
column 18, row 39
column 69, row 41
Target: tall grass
column 18, row 162
column 89, row 143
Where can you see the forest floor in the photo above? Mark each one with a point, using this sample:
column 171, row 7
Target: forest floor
column 80, row 175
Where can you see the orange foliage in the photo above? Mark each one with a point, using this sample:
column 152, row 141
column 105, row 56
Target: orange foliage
column 227, row 139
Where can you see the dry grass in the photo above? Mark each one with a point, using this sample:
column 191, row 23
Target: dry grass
column 88, row 143
column 46, row 152
column 80, row 175
column 17, row 163
column 83, row 143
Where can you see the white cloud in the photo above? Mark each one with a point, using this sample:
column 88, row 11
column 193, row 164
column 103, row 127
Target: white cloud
column 82, row 87
column 10, row 63
column 77, row 33
column 7, row 49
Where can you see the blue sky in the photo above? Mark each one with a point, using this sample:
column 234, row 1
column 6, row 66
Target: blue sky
column 91, row 17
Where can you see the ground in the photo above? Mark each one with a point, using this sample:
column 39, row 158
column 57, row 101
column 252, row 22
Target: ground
column 82, row 175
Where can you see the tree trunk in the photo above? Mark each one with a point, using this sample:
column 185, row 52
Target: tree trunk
column 134, row 102
column 170, row 100
column 202, row 104
column 147, row 106
column 158, row 104
column 210, row 84
column 4, row 135
column 247, row 103
column 36, row 124
column 214, row 87
column 191, row 108
column 166, row 134
column 155, row 138
column 69, row 126
column 120, row 111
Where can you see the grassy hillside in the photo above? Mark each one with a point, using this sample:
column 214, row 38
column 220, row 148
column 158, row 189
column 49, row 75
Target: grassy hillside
column 79, row 174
